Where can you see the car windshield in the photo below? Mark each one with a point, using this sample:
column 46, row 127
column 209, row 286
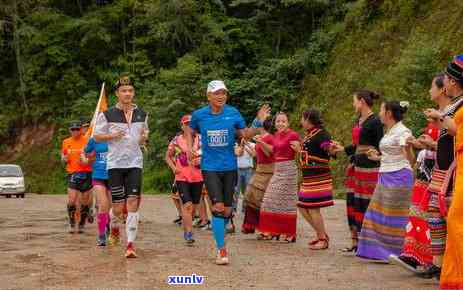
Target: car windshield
column 10, row 171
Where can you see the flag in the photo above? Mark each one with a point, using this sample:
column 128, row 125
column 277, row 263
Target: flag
column 101, row 106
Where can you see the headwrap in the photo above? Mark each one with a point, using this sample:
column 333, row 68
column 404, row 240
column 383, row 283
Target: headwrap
column 455, row 69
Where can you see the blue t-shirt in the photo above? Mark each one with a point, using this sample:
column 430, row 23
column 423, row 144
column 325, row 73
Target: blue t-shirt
column 99, row 166
column 218, row 137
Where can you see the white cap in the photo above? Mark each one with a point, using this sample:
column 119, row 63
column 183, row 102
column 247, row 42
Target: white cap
column 216, row 85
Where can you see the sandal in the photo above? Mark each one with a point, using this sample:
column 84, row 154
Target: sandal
column 313, row 242
column 352, row 248
column 289, row 239
column 349, row 249
column 322, row 244
column 264, row 237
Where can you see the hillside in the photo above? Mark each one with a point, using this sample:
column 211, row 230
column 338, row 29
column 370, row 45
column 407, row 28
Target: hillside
column 292, row 53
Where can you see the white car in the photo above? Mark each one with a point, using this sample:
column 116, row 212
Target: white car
column 11, row 180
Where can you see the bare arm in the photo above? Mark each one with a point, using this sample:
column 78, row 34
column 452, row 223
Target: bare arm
column 449, row 123
column 188, row 134
column 170, row 162
column 408, row 153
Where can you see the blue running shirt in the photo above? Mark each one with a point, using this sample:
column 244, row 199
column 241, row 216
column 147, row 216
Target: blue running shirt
column 218, row 135
column 99, row 166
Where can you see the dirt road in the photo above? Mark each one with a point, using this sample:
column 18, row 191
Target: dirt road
column 37, row 253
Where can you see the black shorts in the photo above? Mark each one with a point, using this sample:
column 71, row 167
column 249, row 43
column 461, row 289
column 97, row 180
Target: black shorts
column 124, row 183
column 81, row 181
column 220, row 186
column 190, row 191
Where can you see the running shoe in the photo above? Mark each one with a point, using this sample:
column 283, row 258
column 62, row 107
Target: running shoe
column 114, row 238
column 222, row 257
column 204, row 226
column 431, row 272
column 188, row 236
column 80, row 229
column 91, row 216
column 178, row 220
column 101, row 241
column 407, row 263
column 130, row 252
column 197, row 223
column 230, row 229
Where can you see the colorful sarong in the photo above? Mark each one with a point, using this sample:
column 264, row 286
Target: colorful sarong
column 254, row 194
column 278, row 214
column 317, row 187
column 384, row 225
column 362, row 182
column 417, row 244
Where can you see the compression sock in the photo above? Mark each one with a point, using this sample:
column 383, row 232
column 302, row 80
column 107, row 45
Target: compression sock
column 131, row 226
column 218, row 230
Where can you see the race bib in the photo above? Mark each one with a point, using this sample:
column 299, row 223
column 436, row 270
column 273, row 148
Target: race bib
column 217, row 138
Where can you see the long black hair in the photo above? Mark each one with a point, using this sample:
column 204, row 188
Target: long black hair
column 367, row 95
column 314, row 117
column 397, row 109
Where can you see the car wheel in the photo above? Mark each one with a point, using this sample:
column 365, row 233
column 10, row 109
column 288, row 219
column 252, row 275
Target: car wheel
column 8, row 196
column 22, row 195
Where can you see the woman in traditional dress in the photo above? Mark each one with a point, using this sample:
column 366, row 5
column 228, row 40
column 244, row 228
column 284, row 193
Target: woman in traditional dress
column 317, row 185
column 441, row 185
column 259, row 181
column 363, row 172
column 278, row 214
column 383, row 229
column 452, row 268
column 416, row 254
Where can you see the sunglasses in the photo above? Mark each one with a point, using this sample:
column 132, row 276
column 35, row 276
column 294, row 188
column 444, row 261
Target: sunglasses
column 75, row 129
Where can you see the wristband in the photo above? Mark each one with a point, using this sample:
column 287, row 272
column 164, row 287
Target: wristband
column 257, row 124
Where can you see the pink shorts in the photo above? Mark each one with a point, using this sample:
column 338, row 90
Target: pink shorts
column 100, row 182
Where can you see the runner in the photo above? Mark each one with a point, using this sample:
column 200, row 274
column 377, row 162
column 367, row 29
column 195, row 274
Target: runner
column 79, row 177
column 220, row 125
column 188, row 176
column 88, row 198
column 96, row 152
column 175, row 195
column 125, row 128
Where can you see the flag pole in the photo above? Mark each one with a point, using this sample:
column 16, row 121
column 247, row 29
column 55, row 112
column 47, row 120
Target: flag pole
column 95, row 115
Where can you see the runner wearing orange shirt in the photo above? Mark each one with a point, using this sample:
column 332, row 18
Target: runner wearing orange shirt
column 79, row 177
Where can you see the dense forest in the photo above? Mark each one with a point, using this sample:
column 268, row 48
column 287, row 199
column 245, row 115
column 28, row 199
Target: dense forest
column 290, row 53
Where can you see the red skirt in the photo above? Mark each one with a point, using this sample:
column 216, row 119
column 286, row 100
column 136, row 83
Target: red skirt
column 417, row 242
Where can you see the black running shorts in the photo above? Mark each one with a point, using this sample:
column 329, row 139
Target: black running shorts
column 221, row 186
column 81, row 181
column 124, row 183
column 190, row 191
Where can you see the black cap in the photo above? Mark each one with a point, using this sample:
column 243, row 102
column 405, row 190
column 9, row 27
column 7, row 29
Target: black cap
column 75, row 125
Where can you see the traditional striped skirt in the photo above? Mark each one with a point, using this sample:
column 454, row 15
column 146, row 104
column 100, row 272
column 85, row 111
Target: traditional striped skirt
column 316, row 188
column 362, row 182
column 417, row 244
column 278, row 213
column 254, row 195
column 436, row 216
column 349, row 185
column 385, row 221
